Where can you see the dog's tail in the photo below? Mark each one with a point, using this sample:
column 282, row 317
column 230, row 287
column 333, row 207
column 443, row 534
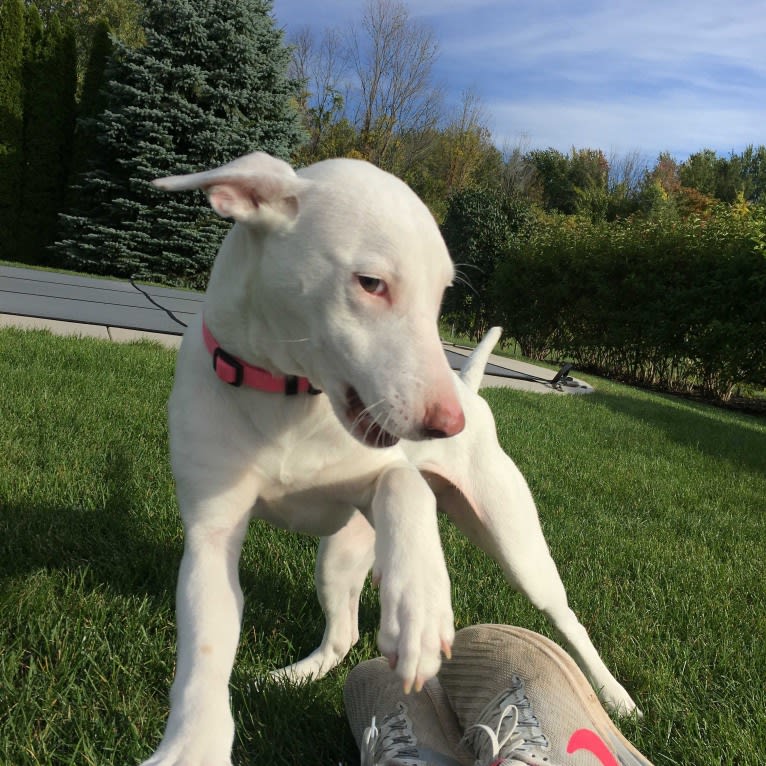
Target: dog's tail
column 472, row 370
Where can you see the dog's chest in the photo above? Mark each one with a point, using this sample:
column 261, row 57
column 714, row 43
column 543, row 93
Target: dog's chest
column 303, row 455
column 318, row 507
column 313, row 479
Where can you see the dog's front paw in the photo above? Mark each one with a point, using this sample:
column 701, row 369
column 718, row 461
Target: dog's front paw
column 617, row 700
column 195, row 741
column 187, row 755
column 416, row 621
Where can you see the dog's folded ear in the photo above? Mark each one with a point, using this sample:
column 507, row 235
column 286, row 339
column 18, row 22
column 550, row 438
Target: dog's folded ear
column 257, row 190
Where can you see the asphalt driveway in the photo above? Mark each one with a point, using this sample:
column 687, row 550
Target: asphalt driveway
column 121, row 310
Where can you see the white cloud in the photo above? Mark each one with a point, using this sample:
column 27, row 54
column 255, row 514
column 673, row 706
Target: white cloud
column 680, row 75
column 654, row 31
column 680, row 126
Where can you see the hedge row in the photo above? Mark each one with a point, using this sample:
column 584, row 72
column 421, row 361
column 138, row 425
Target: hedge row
column 679, row 304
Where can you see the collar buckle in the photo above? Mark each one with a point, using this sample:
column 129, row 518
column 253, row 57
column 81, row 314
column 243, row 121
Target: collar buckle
column 228, row 368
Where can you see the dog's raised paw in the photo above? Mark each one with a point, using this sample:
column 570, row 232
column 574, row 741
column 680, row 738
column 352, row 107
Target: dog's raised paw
column 416, row 626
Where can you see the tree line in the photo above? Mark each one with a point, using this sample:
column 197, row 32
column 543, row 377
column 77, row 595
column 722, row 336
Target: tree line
column 76, row 87
column 93, row 108
column 650, row 272
column 37, row 119
column 678, row 303
column 98, row 98
column 369, row 92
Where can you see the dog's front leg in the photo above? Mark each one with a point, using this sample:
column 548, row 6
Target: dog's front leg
column 343, row 561
column 200, row 728
column 501, row 518
column 416, row 612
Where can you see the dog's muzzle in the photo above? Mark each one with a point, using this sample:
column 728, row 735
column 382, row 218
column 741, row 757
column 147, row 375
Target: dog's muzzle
column 363, row 425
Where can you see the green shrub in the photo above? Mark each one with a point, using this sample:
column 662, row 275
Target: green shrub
column 674, row 303
column 50, row 81
column 478, row 228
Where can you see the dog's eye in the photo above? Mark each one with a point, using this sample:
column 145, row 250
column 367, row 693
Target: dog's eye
column 372, row 285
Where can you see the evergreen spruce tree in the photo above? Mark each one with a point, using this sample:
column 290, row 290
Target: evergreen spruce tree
column 11, row 110
column 50, row 82
column 209, row 85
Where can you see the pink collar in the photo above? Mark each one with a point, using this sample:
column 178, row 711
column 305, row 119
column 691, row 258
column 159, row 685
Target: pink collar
column 236, row 372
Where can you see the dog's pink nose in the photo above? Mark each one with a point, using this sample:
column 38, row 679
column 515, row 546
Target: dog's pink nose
column 443, row 420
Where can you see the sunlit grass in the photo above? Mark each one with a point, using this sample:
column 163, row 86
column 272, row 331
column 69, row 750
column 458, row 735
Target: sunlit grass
column 653, row 508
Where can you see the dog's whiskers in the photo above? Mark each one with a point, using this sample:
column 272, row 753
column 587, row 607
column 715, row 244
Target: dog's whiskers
column 458, row 266
column 462, row 278
column 366, row 412
column 372, row 411
column 369, row 412
column 384, row 426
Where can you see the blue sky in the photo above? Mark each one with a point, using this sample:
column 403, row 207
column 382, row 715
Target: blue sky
column 623, row 76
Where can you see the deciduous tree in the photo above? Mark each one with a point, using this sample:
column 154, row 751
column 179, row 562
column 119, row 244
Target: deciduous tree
column 319, row 67
column 392, row 57
column 754, row 173
column 478, row 228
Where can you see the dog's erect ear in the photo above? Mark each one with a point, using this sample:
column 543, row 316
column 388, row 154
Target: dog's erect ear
column 257, row 189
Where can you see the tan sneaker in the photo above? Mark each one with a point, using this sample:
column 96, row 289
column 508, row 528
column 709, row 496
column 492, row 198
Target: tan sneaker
column 521, row 699
column 392, row 728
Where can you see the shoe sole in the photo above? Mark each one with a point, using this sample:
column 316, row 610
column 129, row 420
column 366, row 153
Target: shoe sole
column 469, row 657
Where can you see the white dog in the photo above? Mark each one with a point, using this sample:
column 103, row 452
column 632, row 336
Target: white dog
column 331, row 279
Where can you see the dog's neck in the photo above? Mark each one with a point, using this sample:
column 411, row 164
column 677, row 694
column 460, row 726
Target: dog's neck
column 238, row 315
column 237, row 372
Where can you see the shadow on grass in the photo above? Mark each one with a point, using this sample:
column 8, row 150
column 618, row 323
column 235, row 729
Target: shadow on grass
column 124, row 549
column 739, row 439
column 110, row 542
column 133, row 551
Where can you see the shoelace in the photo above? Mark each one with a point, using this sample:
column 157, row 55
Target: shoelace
column 394, row 739
column 513, row 712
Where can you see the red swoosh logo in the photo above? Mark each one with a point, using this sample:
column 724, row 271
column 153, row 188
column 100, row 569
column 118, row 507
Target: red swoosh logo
column 585, row 739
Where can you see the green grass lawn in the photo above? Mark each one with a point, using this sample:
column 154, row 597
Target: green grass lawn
column 653, row 508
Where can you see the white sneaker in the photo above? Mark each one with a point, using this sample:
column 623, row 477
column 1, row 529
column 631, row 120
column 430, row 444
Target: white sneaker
column 521, row 699
column 392, row 728
column 507, row 730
